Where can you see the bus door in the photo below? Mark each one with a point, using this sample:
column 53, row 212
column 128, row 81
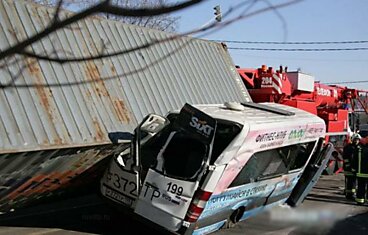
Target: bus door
column 182, row 161
column 122, row 180
column 311, row 174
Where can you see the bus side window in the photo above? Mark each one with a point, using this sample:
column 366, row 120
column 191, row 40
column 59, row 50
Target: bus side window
column 300, row 155
column 276, row 166
column 261, row 164
column 225, row 133
column 273, row 162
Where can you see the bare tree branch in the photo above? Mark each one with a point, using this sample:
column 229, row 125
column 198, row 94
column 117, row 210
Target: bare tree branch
column 215, row 26
column 157, row 22
column 9, row 62
column 283, row 21
column 135, row 71
column 211, row 27
column 104, row 7
column 116, row 10
column 251, row 4
column 57, row 10
column 245, row 16
column 22, row 63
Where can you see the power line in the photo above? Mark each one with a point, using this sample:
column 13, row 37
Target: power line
column 298, row 49
column 345, row 82
column 291, row 43
column 342, row 60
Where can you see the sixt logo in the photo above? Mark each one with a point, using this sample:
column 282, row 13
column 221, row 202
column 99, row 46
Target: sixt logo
column 201, row 126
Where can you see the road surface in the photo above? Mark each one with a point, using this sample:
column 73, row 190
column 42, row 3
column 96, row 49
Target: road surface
column 325, row 212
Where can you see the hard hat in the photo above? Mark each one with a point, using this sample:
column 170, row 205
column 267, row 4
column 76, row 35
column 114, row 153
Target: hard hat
column 356, row 136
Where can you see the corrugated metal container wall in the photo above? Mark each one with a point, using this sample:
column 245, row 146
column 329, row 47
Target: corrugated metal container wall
column 112, row 94
column 47, row 105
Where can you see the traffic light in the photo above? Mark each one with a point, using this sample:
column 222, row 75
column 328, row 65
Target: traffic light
column 218, row 13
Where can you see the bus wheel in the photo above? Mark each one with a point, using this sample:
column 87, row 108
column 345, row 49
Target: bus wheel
column 235, row 217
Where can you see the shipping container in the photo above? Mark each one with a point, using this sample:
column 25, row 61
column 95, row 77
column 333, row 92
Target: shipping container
column 58, row 121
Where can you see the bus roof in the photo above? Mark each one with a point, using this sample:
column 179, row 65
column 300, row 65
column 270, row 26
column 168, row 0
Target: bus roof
column 264, row 129
column 258, row 116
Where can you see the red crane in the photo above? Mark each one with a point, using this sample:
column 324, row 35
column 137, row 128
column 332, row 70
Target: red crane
column 340, row 107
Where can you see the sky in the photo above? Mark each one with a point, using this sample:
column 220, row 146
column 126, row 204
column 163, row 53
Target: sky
column 306, row 21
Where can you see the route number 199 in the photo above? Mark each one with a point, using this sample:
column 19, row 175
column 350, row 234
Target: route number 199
column 174, row 188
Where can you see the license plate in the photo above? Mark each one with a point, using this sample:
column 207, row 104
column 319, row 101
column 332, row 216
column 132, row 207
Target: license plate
column 120, row 181
column 116, row 196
